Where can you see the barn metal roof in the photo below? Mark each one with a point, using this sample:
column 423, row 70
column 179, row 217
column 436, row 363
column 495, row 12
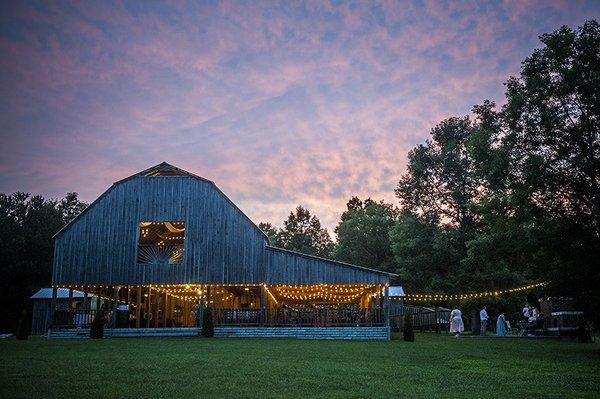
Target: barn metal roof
column 396, row 290
column 62, row 293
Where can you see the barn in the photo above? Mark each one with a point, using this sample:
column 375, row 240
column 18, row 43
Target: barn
column 160, row 246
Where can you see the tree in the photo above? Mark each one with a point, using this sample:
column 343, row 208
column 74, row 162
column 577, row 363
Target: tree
column 26, row 248
column 550, row 133
column 441, row 183
column 426, row 260
column 303, row 233
column 363, row 234
column 71, row 206
column 552, row 121
column 270, row 231
column 515, row 192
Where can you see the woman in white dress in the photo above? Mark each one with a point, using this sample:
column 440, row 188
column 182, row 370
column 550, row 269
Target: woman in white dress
column 456, row 322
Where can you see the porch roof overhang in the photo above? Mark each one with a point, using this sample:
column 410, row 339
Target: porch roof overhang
column 61, row 293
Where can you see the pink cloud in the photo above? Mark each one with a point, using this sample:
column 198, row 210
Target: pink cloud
column 279, row 104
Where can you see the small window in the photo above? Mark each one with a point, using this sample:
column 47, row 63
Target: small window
column 161, row 242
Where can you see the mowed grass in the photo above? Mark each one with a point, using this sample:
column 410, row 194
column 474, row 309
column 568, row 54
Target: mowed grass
column 434, row 366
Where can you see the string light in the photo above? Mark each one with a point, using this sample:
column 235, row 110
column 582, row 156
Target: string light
column 271, row 294
column 323, row 292
column 475, row 295
column 291, row 293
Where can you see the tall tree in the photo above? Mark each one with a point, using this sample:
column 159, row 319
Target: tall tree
column 441, row 182
column 302, row 232
column 26, row 248
column 270, row 231
column 425, row 255
column 552, row 121
column 70, row 206
column 363, row 233
column 551, row 124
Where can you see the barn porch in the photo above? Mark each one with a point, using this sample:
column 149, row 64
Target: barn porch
column 169, row 306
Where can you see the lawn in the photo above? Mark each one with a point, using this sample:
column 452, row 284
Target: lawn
column 433, row 366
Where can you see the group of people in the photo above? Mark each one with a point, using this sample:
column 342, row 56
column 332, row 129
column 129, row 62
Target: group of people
column 530, row 313
column 532, row 320
column 502, row 325
column 457, row 326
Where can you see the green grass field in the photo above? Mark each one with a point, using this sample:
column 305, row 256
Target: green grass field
column 433, row 366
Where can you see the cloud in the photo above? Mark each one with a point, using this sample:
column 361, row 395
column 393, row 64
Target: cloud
column 279, row 103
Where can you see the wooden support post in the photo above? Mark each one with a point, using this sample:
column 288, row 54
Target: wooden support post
column 97, row 294
column 147, row 303
column 86, row 300
column 128, row 325
column 325, row 308
column 52, row 307
column 115, row 306
column 165, row 311
column 263, row 312
column 386, row 305
column 155, row 309
column 201, row 302
column 70, row 310
column 170, row 310
column 138, row 305
column 85, row 307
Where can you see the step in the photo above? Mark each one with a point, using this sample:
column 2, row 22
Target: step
column 340, row 333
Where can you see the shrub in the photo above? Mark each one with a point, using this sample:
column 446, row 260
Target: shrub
column 583, row 332
column 23, row 326
column 97, row 329
column 409, row 334
column 208, row 329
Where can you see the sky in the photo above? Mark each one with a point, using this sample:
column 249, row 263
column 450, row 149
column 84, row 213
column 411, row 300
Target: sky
column 279, row 103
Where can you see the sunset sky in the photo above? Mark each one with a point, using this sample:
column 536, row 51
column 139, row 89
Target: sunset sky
column 279, row 103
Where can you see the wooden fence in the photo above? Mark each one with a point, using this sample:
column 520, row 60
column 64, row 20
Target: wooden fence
column 424, row 318
column 301, row 317
column 74, row 318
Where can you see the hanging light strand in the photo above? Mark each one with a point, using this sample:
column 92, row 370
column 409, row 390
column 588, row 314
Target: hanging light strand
column 472, row 295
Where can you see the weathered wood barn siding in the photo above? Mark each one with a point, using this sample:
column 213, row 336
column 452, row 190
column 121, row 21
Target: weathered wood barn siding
column 222, row 245
column 288, row 267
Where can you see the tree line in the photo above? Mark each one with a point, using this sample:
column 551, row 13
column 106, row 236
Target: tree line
column 506, row 195
column 26, row 247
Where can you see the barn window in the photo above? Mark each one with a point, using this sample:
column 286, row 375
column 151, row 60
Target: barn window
column 161, row 242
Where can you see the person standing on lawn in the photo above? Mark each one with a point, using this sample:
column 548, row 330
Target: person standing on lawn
column 483, row 318
column 535, row 314
column 456, row 322
column 501, row 326
column 526, row 312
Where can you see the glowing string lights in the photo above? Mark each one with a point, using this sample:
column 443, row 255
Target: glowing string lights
column 474, row 295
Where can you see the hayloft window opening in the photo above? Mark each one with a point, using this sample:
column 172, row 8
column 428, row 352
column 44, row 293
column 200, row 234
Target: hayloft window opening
column 161, row 242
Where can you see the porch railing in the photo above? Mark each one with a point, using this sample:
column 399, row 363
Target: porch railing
column 74, row 318
column 238, row 317
column 276, row 317
column 309, row 317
